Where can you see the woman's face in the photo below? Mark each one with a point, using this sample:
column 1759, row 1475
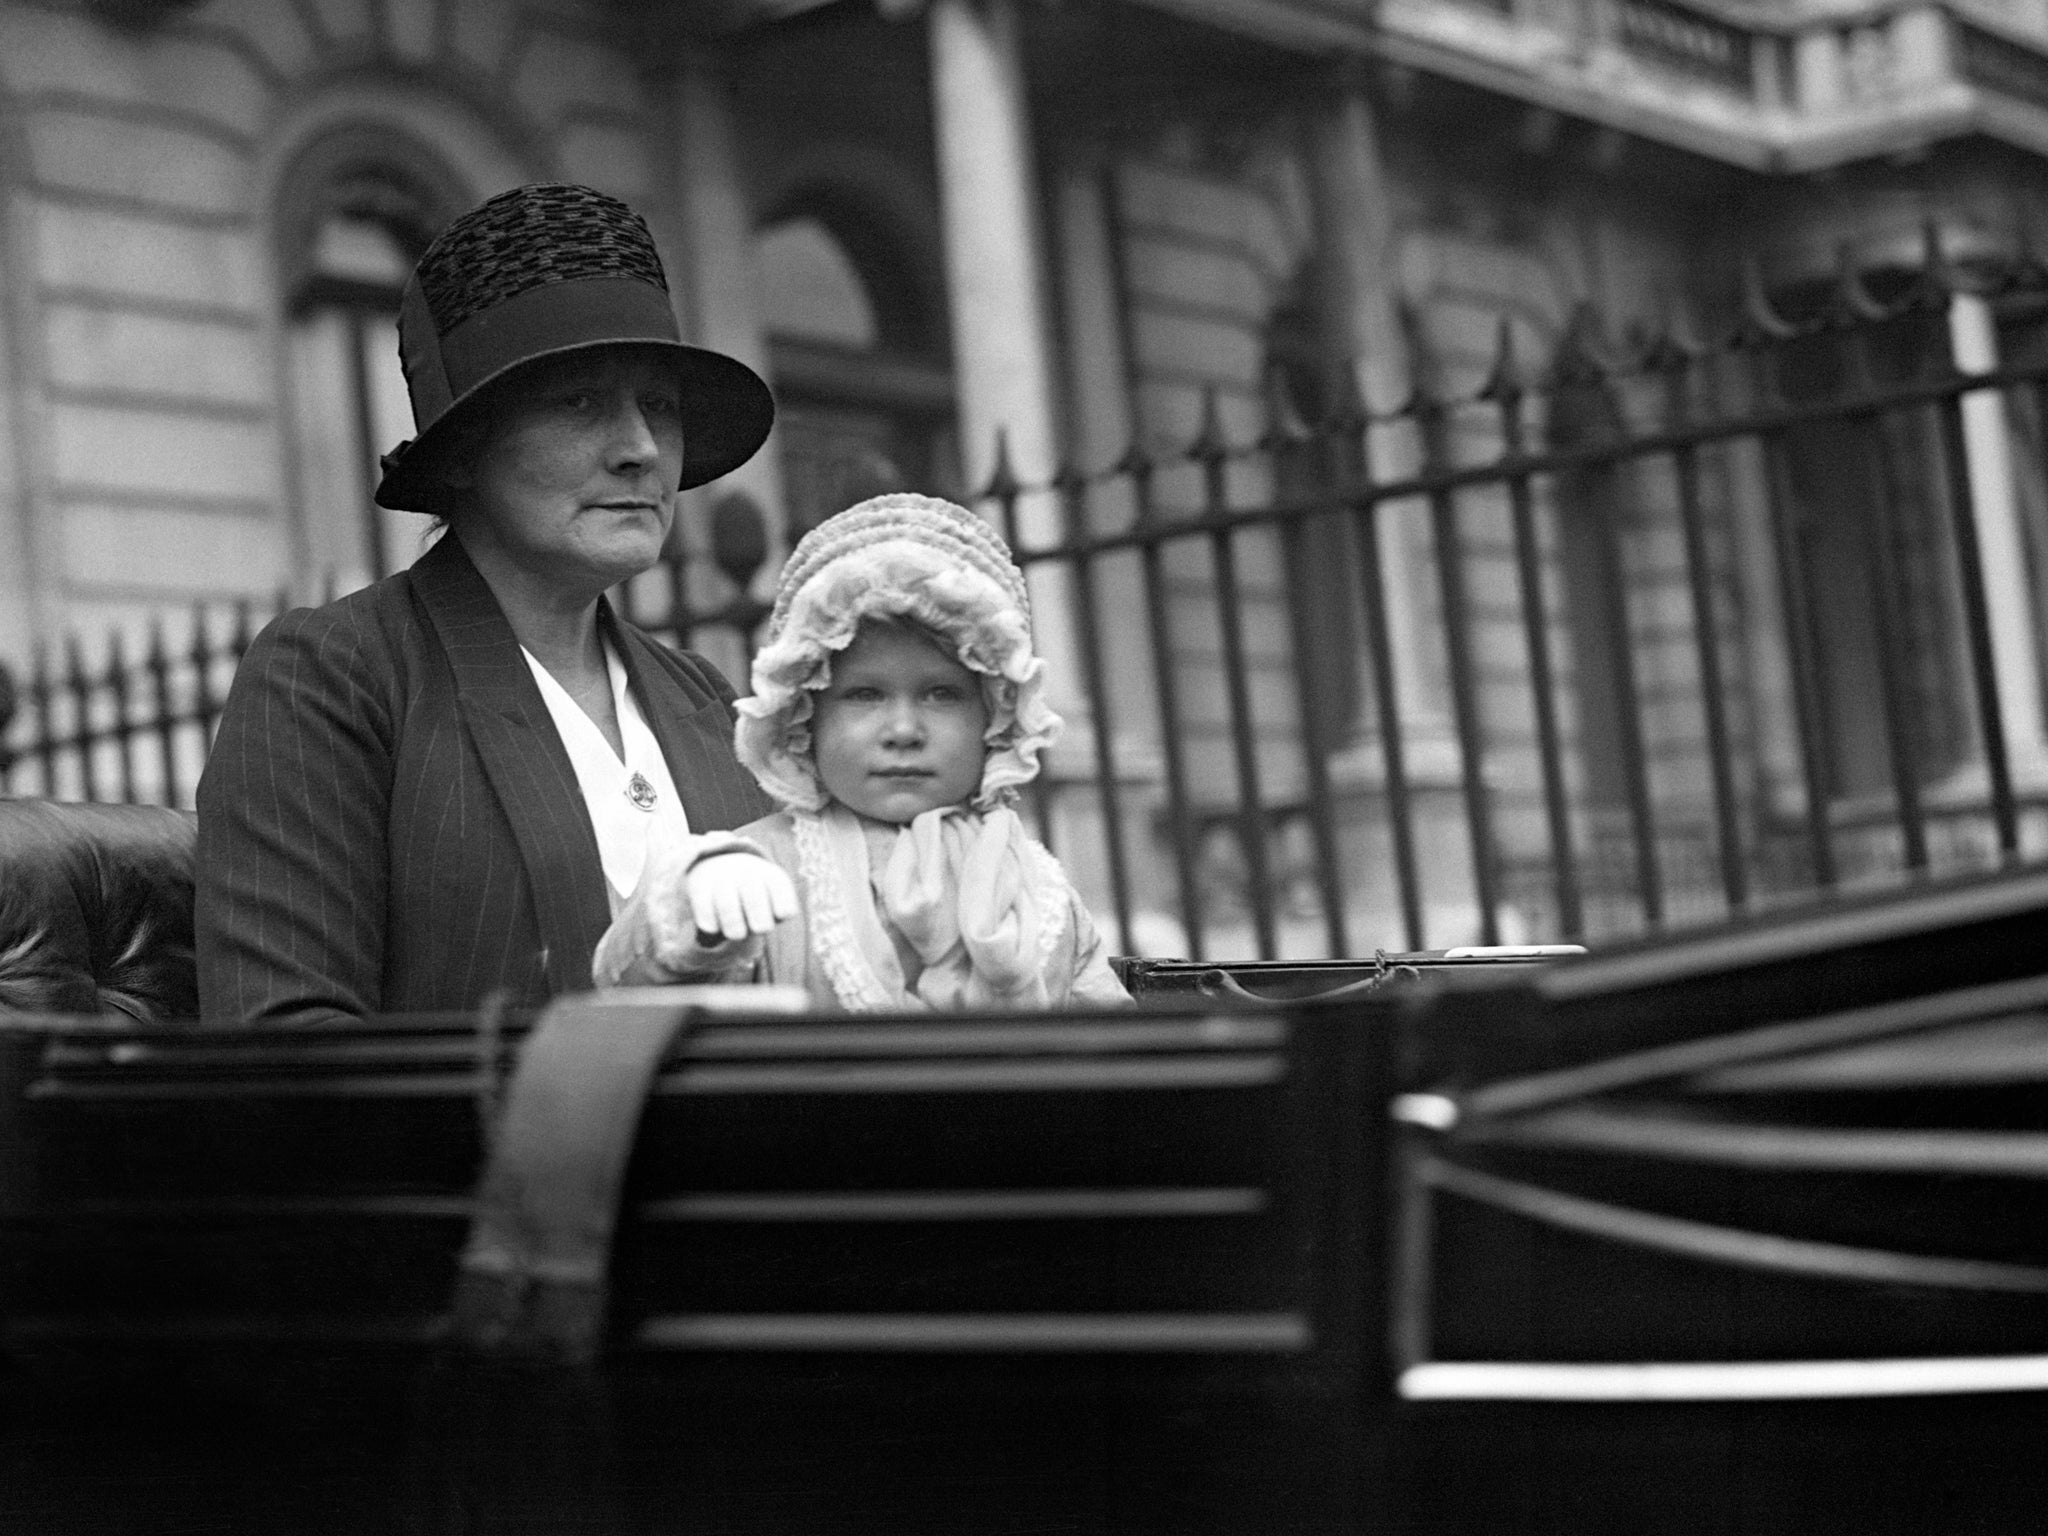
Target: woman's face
column 574, row 480
column 897, row 731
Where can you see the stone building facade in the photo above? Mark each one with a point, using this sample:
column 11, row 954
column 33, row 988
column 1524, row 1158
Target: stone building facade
column 928, row 220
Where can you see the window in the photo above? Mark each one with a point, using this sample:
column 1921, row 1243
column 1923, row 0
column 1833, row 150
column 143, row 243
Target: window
column 810, row 289
column 1594, row 506
column 2021, row 341
column 1875, row 560
column 866, row 398
column 358, row 214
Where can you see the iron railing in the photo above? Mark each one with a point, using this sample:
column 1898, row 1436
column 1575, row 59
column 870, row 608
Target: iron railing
column 1658, row 632
column 120, row 730
column 115, row 729
column 1652, row 633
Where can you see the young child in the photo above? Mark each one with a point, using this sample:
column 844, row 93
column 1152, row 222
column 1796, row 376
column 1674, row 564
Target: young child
column 897, row 707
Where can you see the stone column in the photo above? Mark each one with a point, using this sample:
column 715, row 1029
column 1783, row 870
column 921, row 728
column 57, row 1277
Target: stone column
column 708, row 240
column 996, row 285
column 1360, row 280
column 1361, row 297
column 1817, row 84
column 1099, row 424
column 719, row 306
column 25, row 610
column 2002, row 555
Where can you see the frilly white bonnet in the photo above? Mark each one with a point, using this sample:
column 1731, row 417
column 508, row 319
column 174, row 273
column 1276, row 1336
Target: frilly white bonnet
column 906, row 557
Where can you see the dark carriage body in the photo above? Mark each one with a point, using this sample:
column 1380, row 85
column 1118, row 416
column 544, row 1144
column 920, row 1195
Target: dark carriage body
column 1736, row 1235
column 867, row 1275
column 1739, row 1234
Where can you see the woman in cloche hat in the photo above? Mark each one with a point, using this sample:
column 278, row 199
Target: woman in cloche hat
column 443, row 786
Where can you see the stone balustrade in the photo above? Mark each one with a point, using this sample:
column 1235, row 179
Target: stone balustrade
column 1798, row 88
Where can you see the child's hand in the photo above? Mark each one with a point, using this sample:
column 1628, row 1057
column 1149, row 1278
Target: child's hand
column 736, row 895
column 702, row 908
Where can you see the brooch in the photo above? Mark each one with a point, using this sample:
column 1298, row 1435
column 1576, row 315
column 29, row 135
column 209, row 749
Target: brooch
column 640, row 792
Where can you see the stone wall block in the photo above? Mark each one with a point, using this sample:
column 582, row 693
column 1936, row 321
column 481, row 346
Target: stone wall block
column 611, row 158
column 1817, row 70
column 480, row 31
column 162, row 453
column 1159, row 267
column 47, row 53
column 1268, row 639
column 176, row 551
column 123, row 254
column 1920, row 46
column 558, row 76
column 347, row 21
column 89, row 348
column 1197, row 349
column 1272, row 240
column 1159, row 199
column 204, row 75
column 143, row 161
column 410, row 30
column 1507, row 716
column 276, row 32
column 1205, row 699
column 1493, row 583
column 1169, row 413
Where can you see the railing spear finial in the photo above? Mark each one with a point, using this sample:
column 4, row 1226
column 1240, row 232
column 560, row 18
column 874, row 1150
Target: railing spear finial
column 1674, row 344
column 1348, row 414
column 1068, row 476
column 1504, row 383
column 1851, row 303
column 1285, row 427
column 1209, row 445
column 1939, row 279
column 2027, row 270
column 739, row 538
column 1585, row 356
column 1762, row 325
column 1136, row 461
column 1003, row 484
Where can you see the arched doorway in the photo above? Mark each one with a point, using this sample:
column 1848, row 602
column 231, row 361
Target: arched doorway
column 357, row 210
column 859, row 363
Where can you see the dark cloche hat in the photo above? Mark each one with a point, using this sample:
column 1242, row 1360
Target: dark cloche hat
column 536, row 272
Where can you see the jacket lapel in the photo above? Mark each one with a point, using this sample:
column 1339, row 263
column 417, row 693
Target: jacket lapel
column 523, row 758
column 694, row 730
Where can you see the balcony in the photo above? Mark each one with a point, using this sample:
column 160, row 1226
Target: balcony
column 1793, row 90
column 1795, row 86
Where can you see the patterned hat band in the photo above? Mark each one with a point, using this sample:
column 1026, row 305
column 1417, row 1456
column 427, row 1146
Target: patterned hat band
column 559, row 317
column 539, row 272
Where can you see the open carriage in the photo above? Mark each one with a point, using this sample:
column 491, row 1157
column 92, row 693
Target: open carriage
column 1738, row 1234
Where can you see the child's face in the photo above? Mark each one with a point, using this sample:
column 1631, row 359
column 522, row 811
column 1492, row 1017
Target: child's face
column 897, row 731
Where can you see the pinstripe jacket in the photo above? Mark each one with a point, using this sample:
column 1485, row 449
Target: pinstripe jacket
column 388, row 821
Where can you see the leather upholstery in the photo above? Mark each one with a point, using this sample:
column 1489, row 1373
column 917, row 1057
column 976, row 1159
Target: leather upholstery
column 96, row 910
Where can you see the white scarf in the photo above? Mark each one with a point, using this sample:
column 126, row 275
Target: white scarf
column 981, row 905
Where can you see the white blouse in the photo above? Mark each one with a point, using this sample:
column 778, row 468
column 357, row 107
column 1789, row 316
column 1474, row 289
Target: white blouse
column 629, row 801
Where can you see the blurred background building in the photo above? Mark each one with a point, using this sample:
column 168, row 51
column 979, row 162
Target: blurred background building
column 1184, row 257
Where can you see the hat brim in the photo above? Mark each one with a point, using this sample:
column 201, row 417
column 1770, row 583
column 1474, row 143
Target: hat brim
column 727, row 410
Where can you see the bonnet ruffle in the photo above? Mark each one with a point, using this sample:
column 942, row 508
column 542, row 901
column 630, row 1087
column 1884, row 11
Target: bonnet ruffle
column 902, row 557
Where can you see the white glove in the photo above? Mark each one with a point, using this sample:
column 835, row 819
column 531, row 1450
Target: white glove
column 736, row 895
column 702, row 909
